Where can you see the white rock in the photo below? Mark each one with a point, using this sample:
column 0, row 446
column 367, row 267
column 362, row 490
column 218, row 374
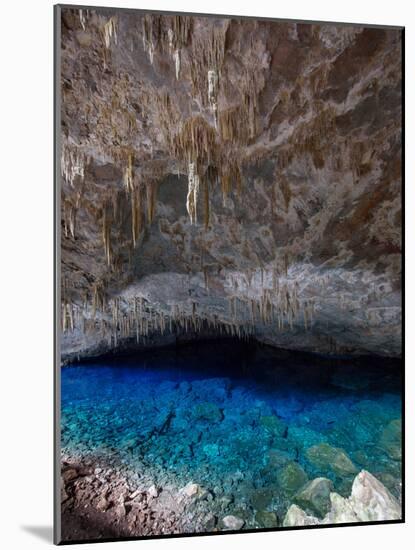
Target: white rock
column 191, row 490
column 233, row 523
column 153, row 491
column 295, row 516
column 372, row 501
column 341, row 510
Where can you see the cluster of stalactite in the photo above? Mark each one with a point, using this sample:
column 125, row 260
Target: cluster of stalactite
column 206, row 58
column 210, row 153
column 73, row 163
column 117, row 320
column 134, row 207
column 166, row 34
column 279, row 306
column 110, row 31
column 83, row 15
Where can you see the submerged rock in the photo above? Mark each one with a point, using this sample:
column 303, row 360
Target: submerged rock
column 315, row 496
column 207, row 411
column 261, row 498
column 278, row 457
column 273, row 425
column 266, row 519
column 233, row 523
column 325, row 456
column 391, row 439
column 291, row 478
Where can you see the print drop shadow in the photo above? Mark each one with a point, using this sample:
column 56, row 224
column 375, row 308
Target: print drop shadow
column 42, row 532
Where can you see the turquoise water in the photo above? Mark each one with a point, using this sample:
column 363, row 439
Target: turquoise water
column 239, row 419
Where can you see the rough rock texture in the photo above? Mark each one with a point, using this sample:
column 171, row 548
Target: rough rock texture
column 370, row 500
column 229, row 176
column 315, row 496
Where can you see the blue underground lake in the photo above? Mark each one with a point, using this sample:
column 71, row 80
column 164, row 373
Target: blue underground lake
column 248, row 423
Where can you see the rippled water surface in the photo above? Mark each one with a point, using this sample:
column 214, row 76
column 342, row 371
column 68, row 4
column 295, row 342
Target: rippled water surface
column 240, row 419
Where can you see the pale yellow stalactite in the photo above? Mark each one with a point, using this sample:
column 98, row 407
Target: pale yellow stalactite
column 72, row 164
column 129, row 175
column 110, row 31
column 212, row 94
column 82, row 19
column 177, row 62
column 192, row 193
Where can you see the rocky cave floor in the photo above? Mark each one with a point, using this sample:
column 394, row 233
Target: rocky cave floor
column 145, row 456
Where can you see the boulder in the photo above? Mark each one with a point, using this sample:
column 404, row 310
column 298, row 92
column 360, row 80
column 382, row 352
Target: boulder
column 277, row 458
column 233, row 523
column 296, row 517
column 341, row 511
column 372, row 501
column 266, row 519
column 192, row 490
column 324, row 457
column 291, row 478
column 261, row 498
column 314, row 497
column 391, row 439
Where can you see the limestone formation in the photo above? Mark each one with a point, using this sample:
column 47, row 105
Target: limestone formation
column 206, row 160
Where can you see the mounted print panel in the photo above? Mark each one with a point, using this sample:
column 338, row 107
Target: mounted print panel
column 228, row 261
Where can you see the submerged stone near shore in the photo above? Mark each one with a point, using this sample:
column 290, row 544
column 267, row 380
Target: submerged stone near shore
column 370, row 500
column 315, row 496
column 325, row 456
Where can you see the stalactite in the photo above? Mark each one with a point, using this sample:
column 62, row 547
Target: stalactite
column 192, row 193
column 206, row 277
column 106, row 234
column 129, row 174
column 110, row 31
column 136, row 215
column 151, row 198
column 207, row 53
column 166, row 33
column 230, row 176
column 82, row 18
column 213, row 93
column 69, row 218
column 72, row 164
column 206, row 202
column 233, row 124
column 196, row 142
column 177, row 63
